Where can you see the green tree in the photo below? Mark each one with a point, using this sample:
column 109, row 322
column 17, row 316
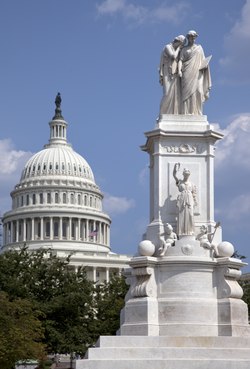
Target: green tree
column 73, row 312
column 65, row 298
column 109, row 301
column 21, row 331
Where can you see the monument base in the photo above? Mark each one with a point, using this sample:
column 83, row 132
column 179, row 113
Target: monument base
column 136, row 352
column 182, row 311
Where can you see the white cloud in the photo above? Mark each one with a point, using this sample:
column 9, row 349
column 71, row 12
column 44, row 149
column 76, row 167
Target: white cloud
column 232, row 171
column 12, row 162
column 116, row 205
column 237, row 52
column 234, row 149
column 140, row 14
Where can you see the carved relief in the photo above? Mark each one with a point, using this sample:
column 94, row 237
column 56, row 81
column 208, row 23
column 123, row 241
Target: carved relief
column 184, row 149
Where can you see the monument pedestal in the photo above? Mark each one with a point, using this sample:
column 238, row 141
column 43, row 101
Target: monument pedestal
column 183, row 309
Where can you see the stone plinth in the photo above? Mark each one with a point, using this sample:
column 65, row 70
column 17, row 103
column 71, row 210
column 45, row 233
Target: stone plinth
column 184, row 295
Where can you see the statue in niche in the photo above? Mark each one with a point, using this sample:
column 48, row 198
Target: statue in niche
column 185, row 76
column 186, row 201
column 168, row 76
column 167, row 239
column 206, row 240
column 193, row 69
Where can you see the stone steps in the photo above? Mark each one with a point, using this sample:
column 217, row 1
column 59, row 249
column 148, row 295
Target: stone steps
column 163, row 364
column 161, row 352
column 140, row 353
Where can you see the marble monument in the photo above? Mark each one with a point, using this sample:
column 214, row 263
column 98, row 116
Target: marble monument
column 183, row 309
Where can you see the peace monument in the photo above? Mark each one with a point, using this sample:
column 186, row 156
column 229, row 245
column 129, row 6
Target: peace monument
column 183, row 309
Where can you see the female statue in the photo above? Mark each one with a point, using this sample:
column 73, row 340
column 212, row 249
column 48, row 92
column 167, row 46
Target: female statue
column 169, row 79
column 186, row 201
column 194, row 71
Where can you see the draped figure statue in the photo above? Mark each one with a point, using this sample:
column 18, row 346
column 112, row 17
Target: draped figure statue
column 169, row 79
column 186, row 201
column 194, row 71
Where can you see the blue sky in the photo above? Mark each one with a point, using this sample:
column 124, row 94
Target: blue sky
column 103, row 57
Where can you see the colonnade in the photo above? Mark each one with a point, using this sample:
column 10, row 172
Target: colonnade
column 56, row 228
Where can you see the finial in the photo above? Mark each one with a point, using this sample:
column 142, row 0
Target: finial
column 58, row 111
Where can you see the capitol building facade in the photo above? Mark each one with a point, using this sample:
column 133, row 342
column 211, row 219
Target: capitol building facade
column 58, row 206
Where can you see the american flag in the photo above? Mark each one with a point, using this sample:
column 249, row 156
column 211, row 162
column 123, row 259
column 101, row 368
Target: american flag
column 93, row 233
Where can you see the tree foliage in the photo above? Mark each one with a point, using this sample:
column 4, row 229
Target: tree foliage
column 21, row 331
column 71, row 310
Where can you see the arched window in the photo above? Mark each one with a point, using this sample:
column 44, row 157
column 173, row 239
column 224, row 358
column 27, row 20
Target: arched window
column 41, row 198
column 79, row 199
column 56, row 198
column 64, row 198
column 49, row 198
column 34, row 198
column 27, row 199
column 72, row 198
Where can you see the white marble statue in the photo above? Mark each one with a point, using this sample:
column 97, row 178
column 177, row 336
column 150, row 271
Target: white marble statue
column 168, row 76
column 186, row 201
column 167, row 239
column 193, row 68
column 206, row 239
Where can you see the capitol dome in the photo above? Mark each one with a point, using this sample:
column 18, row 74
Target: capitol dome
column 55, row 160
column 57, row 203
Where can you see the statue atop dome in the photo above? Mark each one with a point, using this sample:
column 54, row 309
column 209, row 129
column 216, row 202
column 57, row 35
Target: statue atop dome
column 58, row 111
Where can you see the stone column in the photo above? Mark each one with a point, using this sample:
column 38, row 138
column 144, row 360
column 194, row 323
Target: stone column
column 32, row 229
column 42, row 235
column 94, row 274
column 60, row 228
column 70, row 228
column 24, row 230
column 51, row 228
column 11, row 232
column 79, row 229
column 107, row 274
column 87, row 230
column 17, row 231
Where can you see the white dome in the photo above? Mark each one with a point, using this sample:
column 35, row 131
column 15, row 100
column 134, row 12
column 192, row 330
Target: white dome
column 57, row 160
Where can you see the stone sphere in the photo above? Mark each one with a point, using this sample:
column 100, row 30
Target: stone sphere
column 146, row 248
column 225, row 248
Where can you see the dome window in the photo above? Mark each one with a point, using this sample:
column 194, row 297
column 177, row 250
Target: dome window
column 72, row 198
column 64, row 198
column 50, row 166
column 41, row 198
column 79, row 199
column 56, row 198
column 44, row 166
column 48, row 198
column 27, row 199
column 34, row 198
column 57, row 166
column 63, row 166
column 39, row 167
